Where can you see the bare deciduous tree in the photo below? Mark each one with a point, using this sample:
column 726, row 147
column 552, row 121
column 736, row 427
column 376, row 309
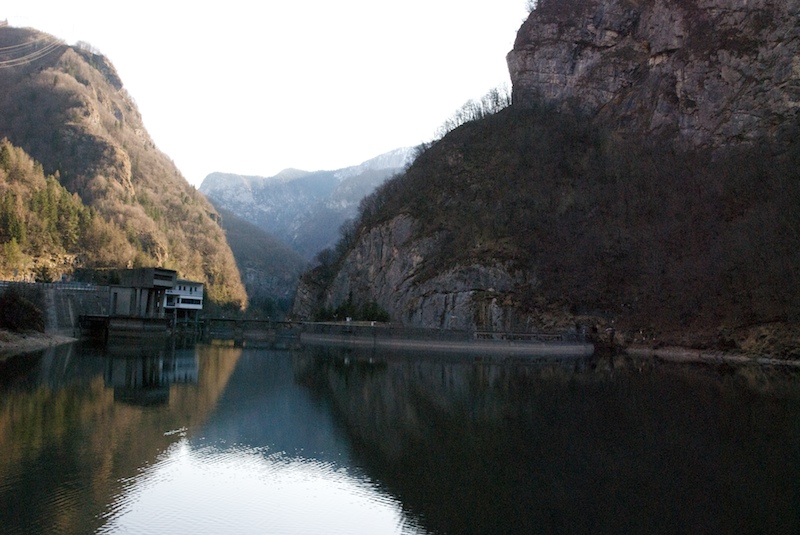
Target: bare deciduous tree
column 489, row 104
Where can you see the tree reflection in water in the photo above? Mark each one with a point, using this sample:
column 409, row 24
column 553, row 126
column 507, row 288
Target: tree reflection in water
column 70, row 442
column 337, row 441
column 613, row 446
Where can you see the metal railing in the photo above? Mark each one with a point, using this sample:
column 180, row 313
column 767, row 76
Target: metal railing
column 61, row 285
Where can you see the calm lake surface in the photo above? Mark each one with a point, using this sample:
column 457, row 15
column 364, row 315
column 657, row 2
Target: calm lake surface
column 217, row 439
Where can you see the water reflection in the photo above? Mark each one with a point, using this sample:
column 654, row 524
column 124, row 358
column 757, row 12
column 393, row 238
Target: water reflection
column 142, row 374
column 615, row 446
column 164, row 439
column 252, row 490
column 217, row 439
column 269, row 459
column 68, row 447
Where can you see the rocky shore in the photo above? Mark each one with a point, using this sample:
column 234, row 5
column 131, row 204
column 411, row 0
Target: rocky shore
column 684, row 355
column 12, row 343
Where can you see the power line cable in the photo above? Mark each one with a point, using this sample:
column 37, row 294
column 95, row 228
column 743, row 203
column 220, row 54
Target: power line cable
column 33, row 56
column 25, row 44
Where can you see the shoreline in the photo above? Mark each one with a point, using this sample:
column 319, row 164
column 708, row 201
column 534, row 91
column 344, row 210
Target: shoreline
column 685, row 355
column 509, row 348
column 13, row 344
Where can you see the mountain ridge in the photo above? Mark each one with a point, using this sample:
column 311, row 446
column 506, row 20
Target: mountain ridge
column 304, row 209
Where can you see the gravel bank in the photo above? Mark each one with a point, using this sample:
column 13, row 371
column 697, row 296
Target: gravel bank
column 12, row 343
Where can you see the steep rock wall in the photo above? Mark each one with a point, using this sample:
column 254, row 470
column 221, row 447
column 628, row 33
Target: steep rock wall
column 387, row 266
column 712, row 72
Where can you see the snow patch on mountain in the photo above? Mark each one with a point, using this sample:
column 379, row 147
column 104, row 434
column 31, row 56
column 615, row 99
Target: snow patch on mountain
column 396, row 159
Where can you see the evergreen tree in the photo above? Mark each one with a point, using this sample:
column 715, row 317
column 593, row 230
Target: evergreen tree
column 5, row 157
column 12, row 255
column 11, row 224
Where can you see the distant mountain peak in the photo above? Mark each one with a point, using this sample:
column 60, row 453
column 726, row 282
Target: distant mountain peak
column 395, row 159
column 304, row 209
column 290, row 174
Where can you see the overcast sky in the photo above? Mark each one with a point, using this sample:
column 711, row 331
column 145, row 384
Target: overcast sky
column 256, row 87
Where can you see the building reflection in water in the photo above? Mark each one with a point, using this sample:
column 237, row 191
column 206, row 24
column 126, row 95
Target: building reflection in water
column 142, row 375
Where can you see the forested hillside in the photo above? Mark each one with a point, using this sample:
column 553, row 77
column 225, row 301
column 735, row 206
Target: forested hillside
column 67, row 109
column 44, row 229
column 552, row 215
column 269, row 268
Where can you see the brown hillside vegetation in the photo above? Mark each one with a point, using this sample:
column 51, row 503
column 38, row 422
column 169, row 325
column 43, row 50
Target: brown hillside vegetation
column 691, row 247
column 44, row 229
column 66, row 108
column 645, row 180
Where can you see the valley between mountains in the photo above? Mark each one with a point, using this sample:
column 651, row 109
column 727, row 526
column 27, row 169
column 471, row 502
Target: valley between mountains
column 641, row 177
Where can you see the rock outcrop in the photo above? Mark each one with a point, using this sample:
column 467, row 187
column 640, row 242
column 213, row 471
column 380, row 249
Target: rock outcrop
column 625, row 185
column 387, row 265
column 709, row 72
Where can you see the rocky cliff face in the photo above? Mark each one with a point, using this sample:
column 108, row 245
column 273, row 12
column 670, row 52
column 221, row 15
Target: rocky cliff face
column 681, row 221
column 711, row 72
column 387, row 265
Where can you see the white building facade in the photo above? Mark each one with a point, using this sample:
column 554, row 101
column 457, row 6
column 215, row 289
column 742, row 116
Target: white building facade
column 185, row 300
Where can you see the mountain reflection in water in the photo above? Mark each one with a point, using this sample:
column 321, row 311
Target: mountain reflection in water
column 217, row 439
column 610, row 446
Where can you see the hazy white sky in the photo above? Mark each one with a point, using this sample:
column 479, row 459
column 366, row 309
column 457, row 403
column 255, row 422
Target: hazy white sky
column 255, row 87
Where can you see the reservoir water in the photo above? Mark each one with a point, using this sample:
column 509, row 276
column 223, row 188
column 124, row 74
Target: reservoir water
column 217, row 439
